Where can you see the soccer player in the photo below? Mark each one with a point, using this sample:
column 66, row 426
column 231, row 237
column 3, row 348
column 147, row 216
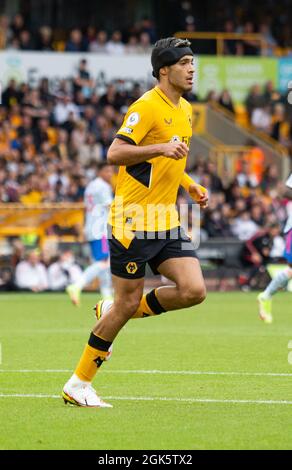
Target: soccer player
column 151, row 149
column 97, row 199
column 281, row 280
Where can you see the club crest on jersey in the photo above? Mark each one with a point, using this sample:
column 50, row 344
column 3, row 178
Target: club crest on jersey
column 175, row 138
column 131, row 267
column 133, row 119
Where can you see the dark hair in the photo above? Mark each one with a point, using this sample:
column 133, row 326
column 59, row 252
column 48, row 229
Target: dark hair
column 168, row 51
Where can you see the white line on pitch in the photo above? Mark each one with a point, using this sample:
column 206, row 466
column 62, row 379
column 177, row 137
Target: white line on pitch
column 167, row 399
column 153, row 372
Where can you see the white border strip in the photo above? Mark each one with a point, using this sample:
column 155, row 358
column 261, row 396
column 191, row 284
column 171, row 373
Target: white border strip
column 152, row 372
column 166, row 399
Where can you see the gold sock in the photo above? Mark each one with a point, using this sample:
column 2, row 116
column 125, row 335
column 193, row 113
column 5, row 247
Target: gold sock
column 92, row 358
column 149, row 306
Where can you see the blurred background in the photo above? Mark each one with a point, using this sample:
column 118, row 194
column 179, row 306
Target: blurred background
column 70, row 70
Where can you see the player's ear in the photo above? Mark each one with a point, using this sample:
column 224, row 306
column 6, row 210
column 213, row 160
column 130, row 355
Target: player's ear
column 163, row 71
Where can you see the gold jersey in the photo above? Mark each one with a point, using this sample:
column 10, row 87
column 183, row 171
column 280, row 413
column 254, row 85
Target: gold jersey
column 146, row 193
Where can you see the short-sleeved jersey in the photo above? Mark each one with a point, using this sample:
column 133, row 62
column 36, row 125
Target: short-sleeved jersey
column 146, row 193
column 97, row 200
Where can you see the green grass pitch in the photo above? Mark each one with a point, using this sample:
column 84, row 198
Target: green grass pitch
column 211, row 377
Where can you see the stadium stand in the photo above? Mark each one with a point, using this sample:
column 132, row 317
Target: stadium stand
column 50, row 140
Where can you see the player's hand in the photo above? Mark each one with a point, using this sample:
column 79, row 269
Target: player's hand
column 199, row 194
column 175, row 150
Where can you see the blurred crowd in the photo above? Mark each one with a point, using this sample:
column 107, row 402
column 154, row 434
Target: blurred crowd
column 272, row 21
column 16, row 35
column 266, row 109
column 253, row 200
column 50, row 144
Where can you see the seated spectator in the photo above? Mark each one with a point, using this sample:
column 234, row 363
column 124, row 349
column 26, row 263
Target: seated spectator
column 45, row 39
column 244, row 178
column 248, row 46
column 63, row 272
column 25, row 41
column 17, row 25
column 216, row 185
column 115, row 45
column 10, row 95
column 254, row 99
column 132, row 46
column 6, row 33
column 63, row 108
column 75, row 43
column 225, row 101
column 280, row 128
column 31, row 274
column 230, row 44
column 100, row 44
column 244, row 227
column 270, row 41
column 90, row 150
column 216, row 224
column 144, row 44
column 270, row 178
column 261, row 119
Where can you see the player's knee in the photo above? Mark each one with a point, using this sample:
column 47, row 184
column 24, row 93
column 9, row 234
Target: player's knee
column 128, row 305
column 193, row 294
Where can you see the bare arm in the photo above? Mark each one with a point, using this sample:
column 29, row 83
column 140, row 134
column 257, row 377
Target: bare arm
column 124, row 153
column 195, row 190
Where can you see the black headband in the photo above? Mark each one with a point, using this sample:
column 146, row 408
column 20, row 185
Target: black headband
column 168, row 56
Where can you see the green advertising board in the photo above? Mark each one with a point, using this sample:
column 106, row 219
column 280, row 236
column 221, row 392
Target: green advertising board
column 237, row 74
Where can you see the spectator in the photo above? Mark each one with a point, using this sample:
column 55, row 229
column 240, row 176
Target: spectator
column 254, row 99
column 63, row 108
column 82, row 81
column 132, row 46
column 25, row 41
column 10, row 95
column 45, row 39
column 244, row 227
column 17, row 25
column 115, row 45
column 144, row 46
column 248, row 47
column 63, row 272
column 31, row 274
column 90, row 150
column 261, row 119
column 225, row 101
column 100, row 44
column 270, row 41
column 76, row 42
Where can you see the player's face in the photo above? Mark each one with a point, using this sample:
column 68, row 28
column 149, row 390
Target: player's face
column 181, row 74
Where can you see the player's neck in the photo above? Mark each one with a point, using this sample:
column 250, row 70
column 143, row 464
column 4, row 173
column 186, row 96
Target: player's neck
column 173, row 94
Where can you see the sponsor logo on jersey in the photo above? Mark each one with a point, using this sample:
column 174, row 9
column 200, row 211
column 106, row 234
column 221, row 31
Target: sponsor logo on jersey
column 127, row 130
column 175, row 138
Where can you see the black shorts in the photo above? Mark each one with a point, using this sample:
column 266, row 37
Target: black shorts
column 130, row 263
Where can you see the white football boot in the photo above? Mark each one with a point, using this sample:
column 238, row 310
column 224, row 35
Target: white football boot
column 82, row 394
